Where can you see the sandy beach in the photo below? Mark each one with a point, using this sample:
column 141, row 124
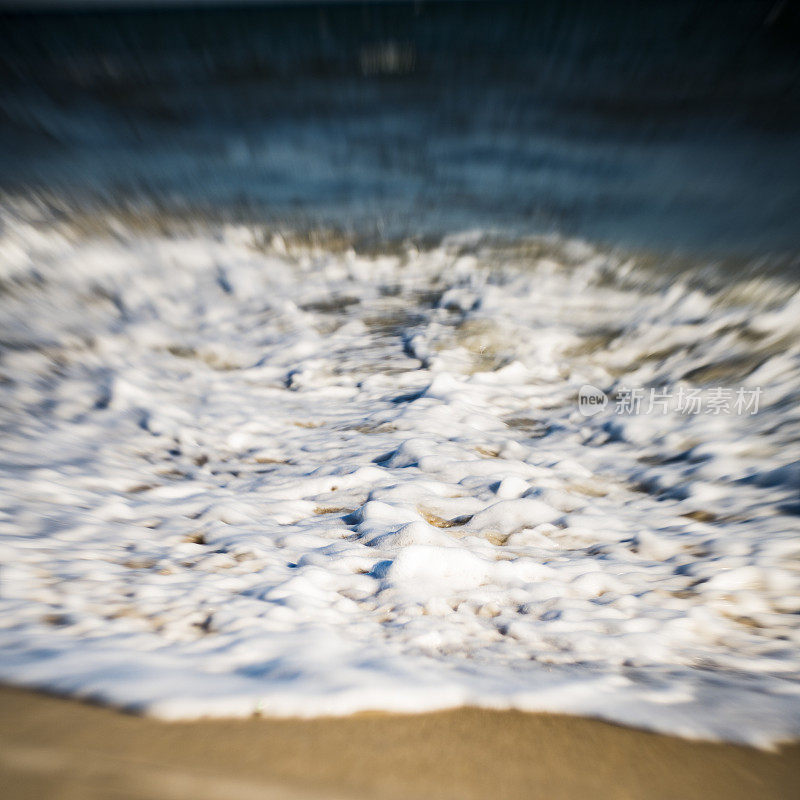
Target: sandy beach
column 52, row 747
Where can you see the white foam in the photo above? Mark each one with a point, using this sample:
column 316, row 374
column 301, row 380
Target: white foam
column 284, row 480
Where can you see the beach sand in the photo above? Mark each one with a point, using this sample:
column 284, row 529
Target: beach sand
column 53, row 747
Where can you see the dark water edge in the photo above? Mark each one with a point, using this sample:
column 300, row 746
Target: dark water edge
column 667, row 126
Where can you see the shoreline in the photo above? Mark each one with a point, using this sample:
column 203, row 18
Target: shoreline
column 51, row 746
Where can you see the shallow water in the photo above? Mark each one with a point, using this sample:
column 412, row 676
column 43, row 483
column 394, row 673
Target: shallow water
column 296, row 319
column 244, row 475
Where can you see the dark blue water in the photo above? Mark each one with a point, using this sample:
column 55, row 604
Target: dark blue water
column 665, row 125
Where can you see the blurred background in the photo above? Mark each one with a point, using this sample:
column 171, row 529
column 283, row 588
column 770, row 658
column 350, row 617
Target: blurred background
column 662, row 125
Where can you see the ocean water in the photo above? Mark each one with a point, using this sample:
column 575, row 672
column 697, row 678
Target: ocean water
column 301, row 313
column 673, row 125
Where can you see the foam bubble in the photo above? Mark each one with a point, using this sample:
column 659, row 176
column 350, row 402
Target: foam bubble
column 240, row 477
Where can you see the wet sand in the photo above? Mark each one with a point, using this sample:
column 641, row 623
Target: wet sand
column 52, row 747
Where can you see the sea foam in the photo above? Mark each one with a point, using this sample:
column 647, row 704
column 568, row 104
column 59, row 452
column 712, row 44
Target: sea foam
column 245, row 476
